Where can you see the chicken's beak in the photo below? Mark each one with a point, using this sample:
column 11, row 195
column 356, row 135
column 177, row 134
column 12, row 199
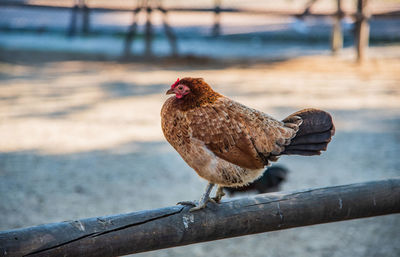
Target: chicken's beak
column 170, row 91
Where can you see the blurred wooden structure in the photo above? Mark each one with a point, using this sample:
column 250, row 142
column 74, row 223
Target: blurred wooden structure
column 149, row 6
column 337, row 32
column 361, row 29
column 175, row 226
column 80, row 8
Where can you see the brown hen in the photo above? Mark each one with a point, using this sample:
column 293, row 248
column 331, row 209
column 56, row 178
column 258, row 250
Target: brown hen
column 229, row 144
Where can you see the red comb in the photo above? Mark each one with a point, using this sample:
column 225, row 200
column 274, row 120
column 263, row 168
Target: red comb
column 175, row 84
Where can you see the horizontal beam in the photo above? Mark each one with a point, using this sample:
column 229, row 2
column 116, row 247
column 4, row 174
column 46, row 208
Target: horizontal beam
column 61, row 7
column 175, row 226
column 391, row 14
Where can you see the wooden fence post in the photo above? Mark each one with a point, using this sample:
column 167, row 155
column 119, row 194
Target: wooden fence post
column 168, row 31
column 148, row 35
column 85, row 17
column 73, row 20
column 361, row 29
column 216, row 30
column 337, row 33
column 130, row 35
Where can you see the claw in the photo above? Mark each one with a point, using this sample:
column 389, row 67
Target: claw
column 216, row 199
column 201, row 205
column 190, row 203
column 218, row 196
column 212, row 200
column 198, row 205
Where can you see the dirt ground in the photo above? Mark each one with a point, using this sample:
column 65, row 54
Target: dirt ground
column 83, row 139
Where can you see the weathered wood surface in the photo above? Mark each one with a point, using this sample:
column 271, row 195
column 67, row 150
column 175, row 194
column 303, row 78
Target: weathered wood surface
column 175, row 226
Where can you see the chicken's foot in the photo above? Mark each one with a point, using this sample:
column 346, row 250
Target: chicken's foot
column 202, row 203
column 219, row 194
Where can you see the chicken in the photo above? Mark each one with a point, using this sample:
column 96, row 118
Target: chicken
column 229, row 144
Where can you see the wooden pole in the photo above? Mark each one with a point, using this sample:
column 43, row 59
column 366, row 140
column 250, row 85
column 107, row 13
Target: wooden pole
column 148, row 35
column 175, row 226
column 216, row 30
column 73, row 20
column 169, row 32
column 361, row 30
column 85, row 17
column 130, row 36
column 337, row 34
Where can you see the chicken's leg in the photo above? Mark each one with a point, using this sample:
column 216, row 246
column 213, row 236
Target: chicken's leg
column 205, row 198
column 219, row 194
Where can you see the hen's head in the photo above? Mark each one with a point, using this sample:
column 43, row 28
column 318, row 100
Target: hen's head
column 191, row 90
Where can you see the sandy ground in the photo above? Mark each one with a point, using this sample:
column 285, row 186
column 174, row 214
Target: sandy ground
column 83, row 138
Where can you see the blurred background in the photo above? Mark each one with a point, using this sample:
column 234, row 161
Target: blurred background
column 82, row 84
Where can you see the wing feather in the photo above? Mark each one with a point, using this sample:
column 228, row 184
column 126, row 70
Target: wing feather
column 238, row 134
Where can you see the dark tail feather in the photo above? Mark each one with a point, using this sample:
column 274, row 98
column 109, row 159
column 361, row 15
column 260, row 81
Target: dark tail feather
column 315, row 132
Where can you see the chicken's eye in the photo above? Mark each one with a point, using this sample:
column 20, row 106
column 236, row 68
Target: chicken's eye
column 180, row 87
